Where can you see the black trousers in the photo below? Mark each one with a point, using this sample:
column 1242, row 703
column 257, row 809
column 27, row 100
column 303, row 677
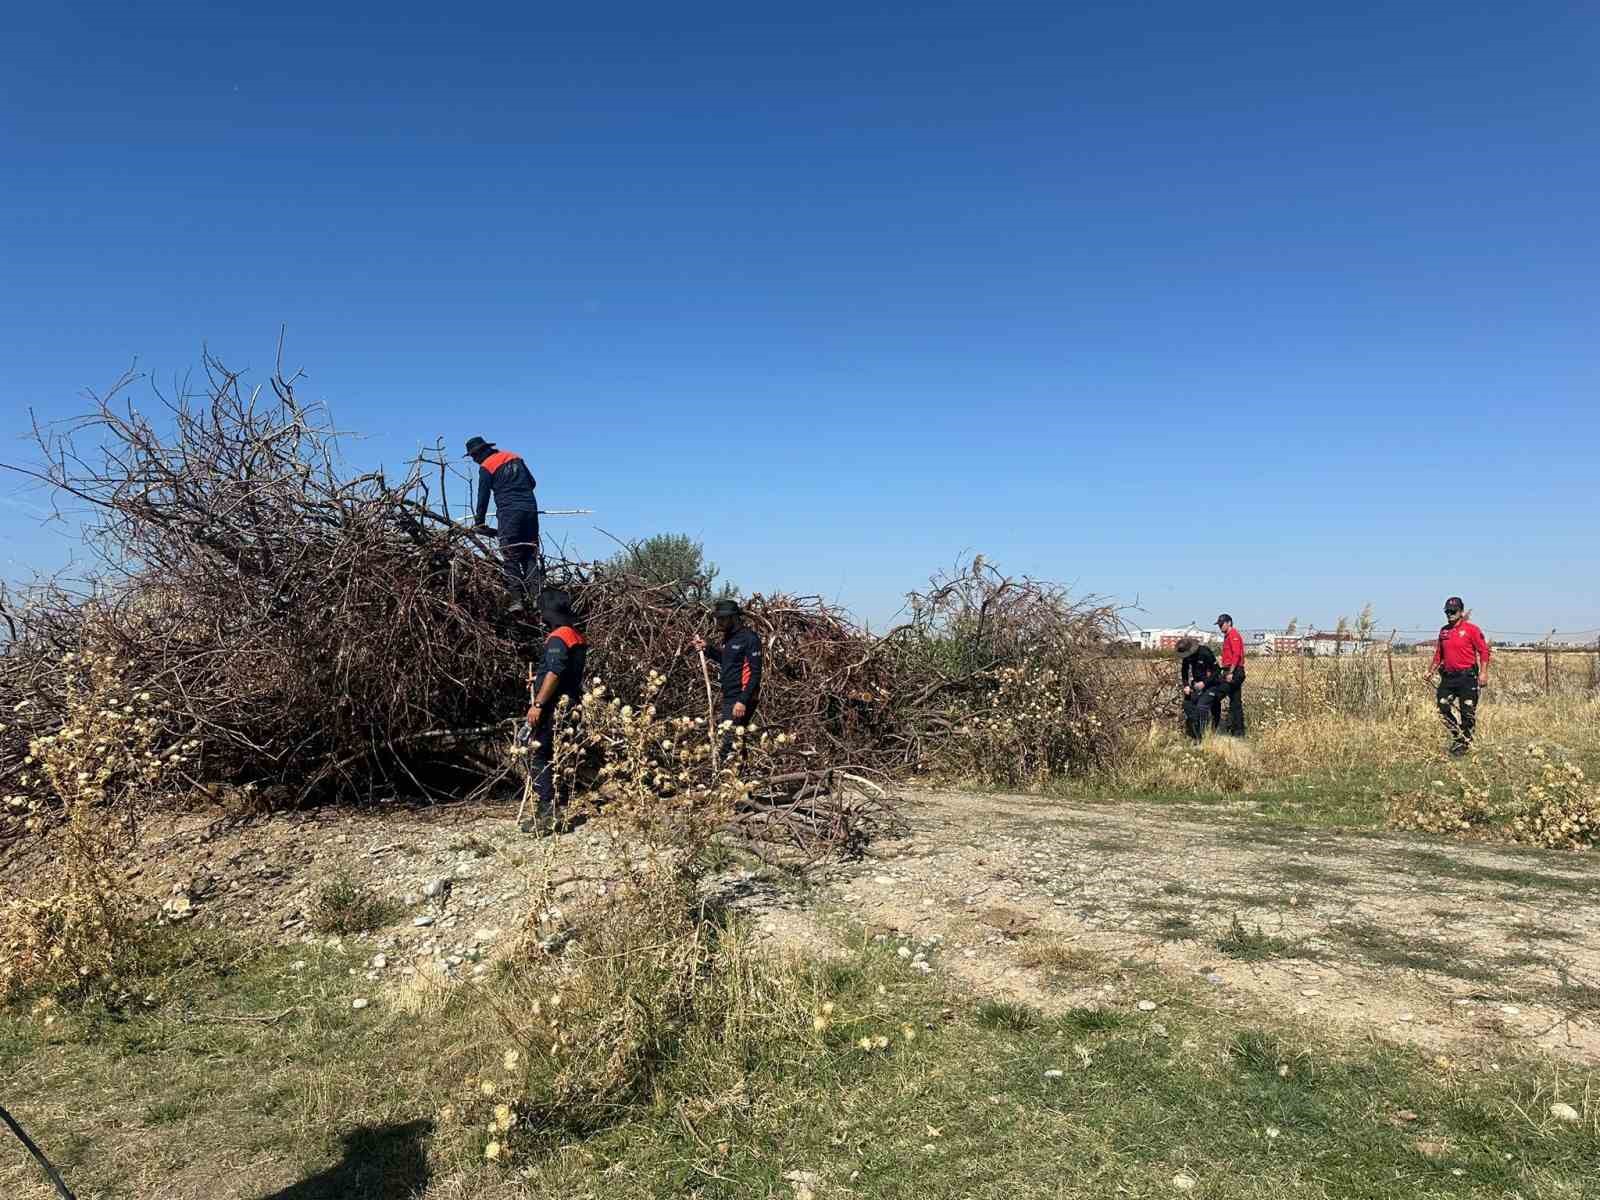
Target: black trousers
column 519, row 551
column 1234, row 693
column 1199, row 710
column 1459, row 689
column 544, row 776
column 729, row 742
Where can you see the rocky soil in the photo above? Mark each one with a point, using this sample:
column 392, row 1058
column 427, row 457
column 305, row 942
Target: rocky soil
column 1404, row 939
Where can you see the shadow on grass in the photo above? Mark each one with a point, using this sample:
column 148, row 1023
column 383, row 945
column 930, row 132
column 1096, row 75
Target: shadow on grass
column 1444, row 866
column 379, row 1162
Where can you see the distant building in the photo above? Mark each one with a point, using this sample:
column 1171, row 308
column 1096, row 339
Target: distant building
column 1167, row 639
column 1335, row 645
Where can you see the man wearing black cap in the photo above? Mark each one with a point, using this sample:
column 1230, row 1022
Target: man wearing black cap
column 1462, row 660
column 506, row 477
column 739, row 656
column 560, row 677
column 1230, row 683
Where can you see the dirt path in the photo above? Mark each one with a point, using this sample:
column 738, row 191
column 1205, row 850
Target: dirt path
column 1403, row 939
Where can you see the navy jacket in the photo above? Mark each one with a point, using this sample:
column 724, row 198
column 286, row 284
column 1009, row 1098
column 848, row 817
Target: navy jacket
column 505, row 476
column 566, row 654
column 1199, row 666
column 740, row 659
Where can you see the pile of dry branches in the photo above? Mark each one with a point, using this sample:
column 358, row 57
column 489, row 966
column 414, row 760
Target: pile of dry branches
column 310, row 633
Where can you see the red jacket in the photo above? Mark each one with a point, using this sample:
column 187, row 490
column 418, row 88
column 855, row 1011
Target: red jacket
column 1232, row 650
column 1461, row 647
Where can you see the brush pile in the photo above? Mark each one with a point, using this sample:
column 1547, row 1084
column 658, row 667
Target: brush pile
column 305, row 633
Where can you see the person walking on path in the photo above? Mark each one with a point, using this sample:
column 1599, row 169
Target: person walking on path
column 560, row 677
column 739, row 658
column 1461, row 659
column 506, row 477
column 1231, row 684
column 1197, row 672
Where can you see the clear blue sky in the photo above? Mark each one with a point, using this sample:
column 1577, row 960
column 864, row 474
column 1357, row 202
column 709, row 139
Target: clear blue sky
column 1273, row 308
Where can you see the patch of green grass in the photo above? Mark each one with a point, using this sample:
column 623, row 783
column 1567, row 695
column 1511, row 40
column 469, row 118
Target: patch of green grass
column 1236, row 899
column 1522, row 958
column 1003, row 1014
column 1386, row 947
column 1302, row 872
column 1436, row 864
column 1110, row 844
column 343, row 906
column 990, row 1100
column 1253, row 945
column 1091, row 1020
column 1575, row 997
column 1177, row 929
column 1543, row 933
column 1063, row 958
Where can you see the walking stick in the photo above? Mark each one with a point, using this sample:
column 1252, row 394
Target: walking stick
column 55, row 1176
column 524, row 739
column 711, row 715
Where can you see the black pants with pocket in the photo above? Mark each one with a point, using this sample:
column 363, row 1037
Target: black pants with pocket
column 1199, row 710
column 519, row 552
column 1459, row 690
column 1234, row 692
column 544, row 781
column 729, row 742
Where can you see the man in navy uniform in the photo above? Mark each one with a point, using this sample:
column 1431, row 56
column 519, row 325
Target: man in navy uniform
column 560, row 677
column 739, row 658
column 506, row 477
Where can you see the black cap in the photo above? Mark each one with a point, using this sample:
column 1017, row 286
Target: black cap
column 1224, row 617
column 726, row 608
column 1455, row 604
column 475, row 444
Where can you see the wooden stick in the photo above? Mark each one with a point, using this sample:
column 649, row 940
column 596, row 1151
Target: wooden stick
column 711, row 715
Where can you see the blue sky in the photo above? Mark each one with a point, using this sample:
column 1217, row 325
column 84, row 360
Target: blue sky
column 1253, row 308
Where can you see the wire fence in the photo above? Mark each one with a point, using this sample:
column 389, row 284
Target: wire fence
column 1377, row 676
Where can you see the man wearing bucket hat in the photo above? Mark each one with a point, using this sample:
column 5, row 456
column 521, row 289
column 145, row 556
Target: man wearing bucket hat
column 506, row 477
column 739, row 657
column 1461, row 658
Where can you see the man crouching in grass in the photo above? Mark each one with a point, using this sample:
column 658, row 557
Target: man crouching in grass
column 1198, row 674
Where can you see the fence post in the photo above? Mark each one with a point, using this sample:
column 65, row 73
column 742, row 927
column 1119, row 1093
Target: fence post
column 1547, row 662
column 1388, row 654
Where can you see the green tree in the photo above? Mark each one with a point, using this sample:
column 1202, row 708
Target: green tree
column 673, row 560
column 1294, row 624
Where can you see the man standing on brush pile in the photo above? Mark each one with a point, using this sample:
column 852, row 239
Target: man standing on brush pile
column 1231, row 683
column 506, row 477
column 1462, row 660
column 560, row 677
column 739, row 656
column 1198, row 674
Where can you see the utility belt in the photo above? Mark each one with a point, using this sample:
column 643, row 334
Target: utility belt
column 1459, row 672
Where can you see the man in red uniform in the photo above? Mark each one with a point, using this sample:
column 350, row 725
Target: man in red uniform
column 1232, row 685
column 1462, row 660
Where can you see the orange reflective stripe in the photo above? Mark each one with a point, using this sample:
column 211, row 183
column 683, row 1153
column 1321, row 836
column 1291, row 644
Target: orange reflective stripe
column 497, row 460
column 570, row 636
